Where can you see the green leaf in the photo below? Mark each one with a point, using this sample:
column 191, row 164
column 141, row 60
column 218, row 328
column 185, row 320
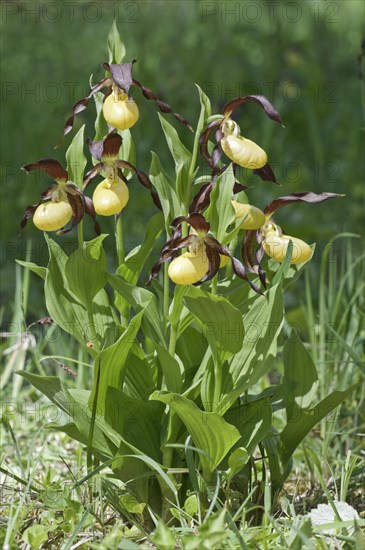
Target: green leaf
column 131, row 269
column 35, row 536
column 116, row 47
column 39, row 270
column 127, row 150
column 50, row 386
column 263, row 323
column 237, row 461
column 209, row 431
column 113, row 363
column 170, row 368
column 62, row 305
column 141, row 299
column 182, row 158
column 300, row 376
column 164, row 186
column 85, row 271
column 76, row 160
column 220, row 213
column 205, row 110
column 222, row 322
column 131, row 504
column 74, row 403
column 297, row 428
column 253, row 421
column 139, row 376
column 137, row 421
column 163, row 537
column 177, row 304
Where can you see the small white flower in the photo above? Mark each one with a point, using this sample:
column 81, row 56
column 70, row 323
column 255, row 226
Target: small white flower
column 324, row 513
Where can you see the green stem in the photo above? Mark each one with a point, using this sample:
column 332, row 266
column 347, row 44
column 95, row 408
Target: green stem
column 93, row 334
column 217, row 384
column 80, row 234
column 215, row 284
column 173, row 338
column 193, row 158
column 232, row 248
column 119, row 240
column 166, row 295
column 26, row 280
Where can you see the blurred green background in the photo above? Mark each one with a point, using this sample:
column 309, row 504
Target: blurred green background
column 304, row 56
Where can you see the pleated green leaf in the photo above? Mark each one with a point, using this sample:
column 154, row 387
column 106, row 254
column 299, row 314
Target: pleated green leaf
column 300, row 376
column 85, row 271
column 209, row 431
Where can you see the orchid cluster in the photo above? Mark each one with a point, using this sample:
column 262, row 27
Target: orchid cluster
column 64, row 201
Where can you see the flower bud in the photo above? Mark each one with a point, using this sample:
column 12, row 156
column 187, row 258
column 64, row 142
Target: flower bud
column 110, row 197
column 120, row 111
column 276, row 247
column 51, row 216
column 253, row 217
column 188, row 268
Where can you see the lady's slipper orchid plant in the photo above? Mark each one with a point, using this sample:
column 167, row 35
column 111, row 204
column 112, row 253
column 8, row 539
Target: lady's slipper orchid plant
column 179, row 364
column 60, row 203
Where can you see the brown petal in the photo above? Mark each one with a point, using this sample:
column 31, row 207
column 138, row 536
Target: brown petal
column 214, row 263
column 50, row 166
column 309, row 197
column 91, row 174
column 261, row 100
column 163, row 107
column 77, row 205
column 29, row 211
column 203, row 142
column 82, row 104
column 90, row 211
column 240, row 271
column 266, row 173
column 142, row 177
column 108, row 147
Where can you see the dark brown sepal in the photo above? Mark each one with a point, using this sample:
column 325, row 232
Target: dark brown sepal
column 266, row 173
column 163, row 107
column 214, row 261
column 121, row 74
column 261, row 100
column 50, row 166
column 82, row 104
column 309, row 197
column 90, row 211
column 77, row 205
